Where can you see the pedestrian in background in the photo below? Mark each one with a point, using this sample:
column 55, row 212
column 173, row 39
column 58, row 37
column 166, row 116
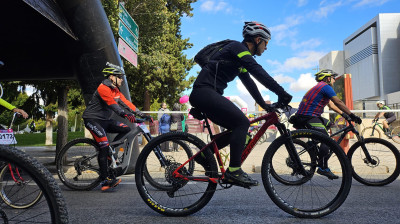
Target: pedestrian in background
column 162, row 110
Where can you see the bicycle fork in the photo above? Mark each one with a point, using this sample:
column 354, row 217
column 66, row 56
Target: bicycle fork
column 368, row 158
column 294, row 156
column 21, row 180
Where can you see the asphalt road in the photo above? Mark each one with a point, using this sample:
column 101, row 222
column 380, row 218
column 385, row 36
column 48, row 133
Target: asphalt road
column 235, row 205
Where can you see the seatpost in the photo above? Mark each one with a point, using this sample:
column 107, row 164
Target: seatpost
column 207, row 125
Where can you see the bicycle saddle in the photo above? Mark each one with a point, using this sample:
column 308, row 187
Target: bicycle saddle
column 196, row 113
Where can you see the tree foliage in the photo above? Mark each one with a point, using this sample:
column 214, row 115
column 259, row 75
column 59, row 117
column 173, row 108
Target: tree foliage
column 162, row 72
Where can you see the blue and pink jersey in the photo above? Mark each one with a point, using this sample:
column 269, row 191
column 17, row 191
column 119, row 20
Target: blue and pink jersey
column 316, row 99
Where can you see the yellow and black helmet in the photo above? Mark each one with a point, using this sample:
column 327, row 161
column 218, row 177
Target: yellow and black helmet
column 319, row 76
column 111, row 69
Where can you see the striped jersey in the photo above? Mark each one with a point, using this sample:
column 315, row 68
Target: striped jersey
column 316, row 99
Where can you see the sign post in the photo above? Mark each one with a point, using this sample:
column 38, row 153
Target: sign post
column 128, row 30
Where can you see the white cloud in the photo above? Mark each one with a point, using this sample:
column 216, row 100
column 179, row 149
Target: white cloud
column 311, row 43
column 301, row 3
column 304, row 83
column 267, row 97
column 304, row 60
column 283, row 79
column 242, row 89
column 215, row 6
column 286, row 29
column 370, row 3
column 324, row 11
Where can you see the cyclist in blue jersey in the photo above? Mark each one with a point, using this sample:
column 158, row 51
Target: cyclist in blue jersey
column 235, row 60
column 312, row 106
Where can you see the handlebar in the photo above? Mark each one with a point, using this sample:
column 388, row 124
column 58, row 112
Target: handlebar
column 16, row 114
column 141, row 120
column 278, row 108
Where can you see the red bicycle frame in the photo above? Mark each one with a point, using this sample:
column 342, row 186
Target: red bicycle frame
column 270, row 119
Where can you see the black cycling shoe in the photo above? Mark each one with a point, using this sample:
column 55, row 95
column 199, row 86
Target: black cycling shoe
column 240, row 178
column 327, row 172
column 388, row 134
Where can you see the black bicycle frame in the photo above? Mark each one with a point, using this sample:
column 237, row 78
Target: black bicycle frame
column 127, row 141
column 350, row 128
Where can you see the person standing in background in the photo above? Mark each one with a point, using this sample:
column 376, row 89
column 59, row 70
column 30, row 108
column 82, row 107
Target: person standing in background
column 162, row 110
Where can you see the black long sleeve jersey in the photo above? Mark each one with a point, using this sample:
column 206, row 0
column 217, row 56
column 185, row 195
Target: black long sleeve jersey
column 234, row 60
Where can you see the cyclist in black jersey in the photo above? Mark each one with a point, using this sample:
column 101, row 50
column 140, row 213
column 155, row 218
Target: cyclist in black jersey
column 235, row 60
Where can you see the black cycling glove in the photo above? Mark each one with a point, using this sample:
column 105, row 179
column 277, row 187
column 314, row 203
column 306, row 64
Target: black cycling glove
column 130, row 117
column 345, row 116
column 355, row 118
column 284, row 99
column 142, row 115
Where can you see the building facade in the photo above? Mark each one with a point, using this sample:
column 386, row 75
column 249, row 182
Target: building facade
column 372, row 56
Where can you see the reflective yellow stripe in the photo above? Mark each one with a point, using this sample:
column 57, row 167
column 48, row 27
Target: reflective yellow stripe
column 318, row 125
column 240, row 55
column 243, row 70
column 6, row 104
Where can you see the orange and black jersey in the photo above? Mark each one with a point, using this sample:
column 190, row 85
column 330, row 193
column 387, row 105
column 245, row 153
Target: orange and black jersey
column 105, row 100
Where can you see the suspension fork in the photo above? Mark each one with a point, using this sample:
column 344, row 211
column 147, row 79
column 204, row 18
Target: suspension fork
column 365, row 150
column 12, row 173
column 294, row 156
column 157, row 151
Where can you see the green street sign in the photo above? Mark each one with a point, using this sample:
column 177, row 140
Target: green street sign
column 127, row 36
column 128, row 21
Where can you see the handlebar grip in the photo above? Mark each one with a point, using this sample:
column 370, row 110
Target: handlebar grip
column 140, row 120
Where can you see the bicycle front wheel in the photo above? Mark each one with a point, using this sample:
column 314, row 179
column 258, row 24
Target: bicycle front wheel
column 308, row 158
column 77, row 164
column 48, row 209
column 396, row 134
column 178, row 196
column 370, row 132
column 384, row 167
column 15, row 188
column 313, row 195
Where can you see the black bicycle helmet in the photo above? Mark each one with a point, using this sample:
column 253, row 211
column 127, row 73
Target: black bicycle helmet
column 111, row 69
column 319, row 76
column 254, row 29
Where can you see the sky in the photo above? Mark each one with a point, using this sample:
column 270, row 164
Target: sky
column 303, row 31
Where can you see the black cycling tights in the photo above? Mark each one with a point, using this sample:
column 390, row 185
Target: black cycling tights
column 99, row 128
column 223, row 112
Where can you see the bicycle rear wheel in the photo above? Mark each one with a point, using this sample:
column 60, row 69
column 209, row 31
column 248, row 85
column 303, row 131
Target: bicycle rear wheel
column 316, row 197
column 370, row 132
column 396, row 134
column 177, row 196
column 48, row 209
column 16, row 187
column 77, row 164
column 308, row 157
column 386, row 158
